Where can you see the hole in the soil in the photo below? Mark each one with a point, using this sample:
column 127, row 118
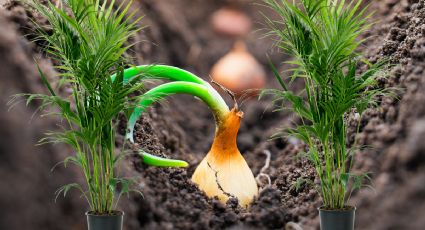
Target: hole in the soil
column 279, row 143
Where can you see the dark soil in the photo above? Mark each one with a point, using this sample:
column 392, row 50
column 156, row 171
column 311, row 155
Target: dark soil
column 179, row 34
column 112, row 213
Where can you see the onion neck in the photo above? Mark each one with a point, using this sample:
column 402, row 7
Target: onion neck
column 226, row 134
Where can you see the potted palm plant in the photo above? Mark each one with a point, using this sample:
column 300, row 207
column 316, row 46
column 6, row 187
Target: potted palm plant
column 322, row 37
column 87, row 38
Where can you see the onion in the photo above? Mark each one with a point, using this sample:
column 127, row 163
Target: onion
column 224, row 173
column 239, row 71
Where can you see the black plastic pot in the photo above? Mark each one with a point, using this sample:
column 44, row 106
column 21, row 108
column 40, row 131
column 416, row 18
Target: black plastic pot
column 105, row 222
column 337, row 219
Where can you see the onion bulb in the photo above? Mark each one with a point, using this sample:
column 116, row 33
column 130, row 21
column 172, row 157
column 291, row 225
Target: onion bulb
column 239, row 71
column 224, row 172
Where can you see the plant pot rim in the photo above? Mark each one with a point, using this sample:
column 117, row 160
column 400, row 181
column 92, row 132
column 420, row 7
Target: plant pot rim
column 348, row 208
column 115, row 213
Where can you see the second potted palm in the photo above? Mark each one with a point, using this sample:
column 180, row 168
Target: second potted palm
column 322, row 37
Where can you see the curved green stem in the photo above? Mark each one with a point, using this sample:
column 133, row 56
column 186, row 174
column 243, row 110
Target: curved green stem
column 213, row 98
column 161, row 162
column 204, row 93
column 161, row 71
column 187, row 83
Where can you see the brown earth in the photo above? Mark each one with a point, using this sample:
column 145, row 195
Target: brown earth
column 179, row 34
